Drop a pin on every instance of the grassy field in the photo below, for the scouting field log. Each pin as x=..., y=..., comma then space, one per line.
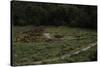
x=74, y=39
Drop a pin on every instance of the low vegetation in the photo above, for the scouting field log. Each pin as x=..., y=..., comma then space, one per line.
x=73, y=38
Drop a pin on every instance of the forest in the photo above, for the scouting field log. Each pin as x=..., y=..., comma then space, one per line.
x=46, y=14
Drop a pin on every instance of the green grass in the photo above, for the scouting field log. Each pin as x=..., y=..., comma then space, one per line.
x=27, y=53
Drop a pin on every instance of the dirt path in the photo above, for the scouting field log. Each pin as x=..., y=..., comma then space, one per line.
x=66, y=55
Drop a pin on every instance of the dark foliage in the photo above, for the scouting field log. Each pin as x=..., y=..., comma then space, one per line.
x=33, y=13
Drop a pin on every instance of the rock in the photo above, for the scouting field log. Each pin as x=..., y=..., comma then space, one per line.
x=58, y=36
x=47, y=35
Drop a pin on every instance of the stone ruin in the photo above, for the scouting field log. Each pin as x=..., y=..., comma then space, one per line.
x=37, y=34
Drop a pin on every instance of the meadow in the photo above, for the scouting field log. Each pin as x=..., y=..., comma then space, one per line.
x=26, y=53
